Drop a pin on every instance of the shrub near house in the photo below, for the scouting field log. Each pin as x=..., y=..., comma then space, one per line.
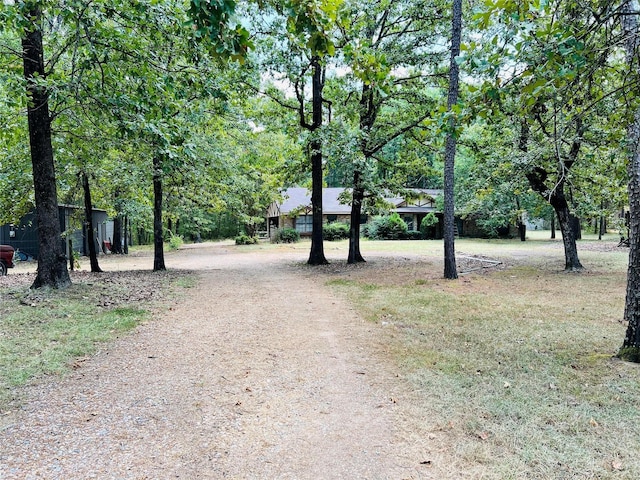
x=387, y=227
x=335, y=231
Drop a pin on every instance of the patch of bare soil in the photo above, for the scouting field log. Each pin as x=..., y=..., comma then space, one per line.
x=258, y=371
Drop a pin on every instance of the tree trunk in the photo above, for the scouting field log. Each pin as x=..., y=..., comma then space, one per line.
x=368, y=112
x=553, y=225
x=158, y=240
x=71, y=262
x=88, y=218
x=565, y=220
x=356, y=212
x=522, y=230
x=316, y=255
x=576, y=227
x=52, y=265
x=558, y=201
x=520, y=224
x=450, y=269
x=127, y=234
x=116, y=242
x=631, y=345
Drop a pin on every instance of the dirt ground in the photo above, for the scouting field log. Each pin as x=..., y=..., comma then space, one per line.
x=258, y=371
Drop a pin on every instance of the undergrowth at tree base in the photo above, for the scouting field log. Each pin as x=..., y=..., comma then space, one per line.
x=629, y=354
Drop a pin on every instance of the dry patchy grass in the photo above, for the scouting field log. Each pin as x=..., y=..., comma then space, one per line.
x=514, y=365
x=44, y=332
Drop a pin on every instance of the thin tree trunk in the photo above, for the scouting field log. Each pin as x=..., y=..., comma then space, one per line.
x=88, y=218
x=316, y=255
x=71, y=262
x=52, y=265
x=450, y=269
x=553, y=225
x=631, y=345
x=116, y=242
x=522, y=226
x=158, y=240
x=356, y=212
x=127, y=234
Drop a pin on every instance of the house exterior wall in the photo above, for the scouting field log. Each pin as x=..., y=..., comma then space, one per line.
x=297, y=202
x=23, y=236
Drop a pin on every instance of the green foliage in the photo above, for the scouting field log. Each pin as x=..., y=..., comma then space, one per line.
x=414, y=235
x=387, y=227
x=246, y=240
x=429, y=220
x=335, y=231
x=175, y=241
x=312, y=22
x=214, y=21
x=76, y=259
x=286, y=235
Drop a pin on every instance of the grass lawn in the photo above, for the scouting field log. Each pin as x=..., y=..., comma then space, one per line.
x=44, y=332
x=515, y=366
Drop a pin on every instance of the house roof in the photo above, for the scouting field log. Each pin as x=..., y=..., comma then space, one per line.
x=300, y=198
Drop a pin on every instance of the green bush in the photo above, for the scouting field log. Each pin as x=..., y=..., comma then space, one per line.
x=175, y=241
x=246, y=240
x=335, y=231
x=388, y=227
x=414, y=235
x=286, y=235
x=426, y=225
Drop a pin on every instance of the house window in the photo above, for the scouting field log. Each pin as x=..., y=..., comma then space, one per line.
x=332, y=218
x=408, y=219
x=364, y=219
x=304, y=223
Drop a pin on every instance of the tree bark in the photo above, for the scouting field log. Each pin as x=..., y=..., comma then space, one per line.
x=631, y=345
x=450, y=269
x=88, y=218
x=127, y=234
x=356, y=211
x=158, y=240
x=52, y=265
x=558, y=201
x=368, y=112
x=116, y=243
x=316, y=255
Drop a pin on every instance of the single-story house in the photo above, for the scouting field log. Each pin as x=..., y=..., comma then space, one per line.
x=23, y=236
x=294, y=211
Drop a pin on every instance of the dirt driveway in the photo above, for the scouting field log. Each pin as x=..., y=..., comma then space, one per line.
x=259, y=371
